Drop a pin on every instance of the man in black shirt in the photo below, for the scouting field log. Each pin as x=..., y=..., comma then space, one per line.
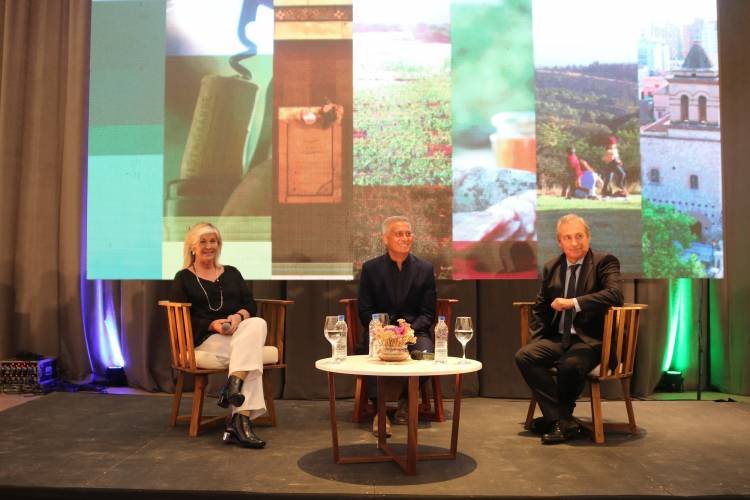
x=403, y=286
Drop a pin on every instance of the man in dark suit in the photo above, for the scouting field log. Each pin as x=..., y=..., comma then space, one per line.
x=566, y=329
x=403, y=286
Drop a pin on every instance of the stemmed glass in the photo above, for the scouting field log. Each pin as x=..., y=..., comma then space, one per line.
x=332, y=334
x=463, y=332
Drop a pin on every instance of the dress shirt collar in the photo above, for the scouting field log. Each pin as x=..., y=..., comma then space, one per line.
x=404, y=264
x=579, y=261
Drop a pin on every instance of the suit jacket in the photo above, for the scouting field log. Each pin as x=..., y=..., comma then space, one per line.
x=409, y=294
x=598, y=287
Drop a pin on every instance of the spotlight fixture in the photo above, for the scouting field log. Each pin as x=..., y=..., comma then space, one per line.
x=671, y=381
x=115, y=376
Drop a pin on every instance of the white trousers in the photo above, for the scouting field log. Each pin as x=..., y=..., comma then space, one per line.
x=242, y=351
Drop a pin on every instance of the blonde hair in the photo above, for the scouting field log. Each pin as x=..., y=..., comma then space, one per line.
x=193, y=237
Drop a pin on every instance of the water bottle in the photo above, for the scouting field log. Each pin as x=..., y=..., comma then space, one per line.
x=341, y=342
x=374, y=324
x=441, y=341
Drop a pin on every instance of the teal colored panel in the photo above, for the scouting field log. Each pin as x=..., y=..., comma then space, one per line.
x=127, y=62
x=124, y=229
x=126, y=140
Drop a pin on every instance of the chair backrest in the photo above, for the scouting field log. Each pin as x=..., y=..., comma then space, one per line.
x=180, y=334
x=443, y=307
x=619, y=341
x=524, y=310
x=274, y=312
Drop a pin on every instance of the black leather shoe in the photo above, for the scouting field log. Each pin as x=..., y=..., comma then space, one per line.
x=230, y=394
x=561, y=431
x=540, y=426
x=240, y=431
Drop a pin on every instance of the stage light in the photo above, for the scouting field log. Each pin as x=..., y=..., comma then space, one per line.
x=671, y=381
x=679, y=326
x=115, y=376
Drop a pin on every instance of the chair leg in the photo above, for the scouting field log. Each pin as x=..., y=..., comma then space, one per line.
x=629, y=405
x=196, y=415
x=437, y=396
x=268, y=396
x=596, y=412
x=360, y=400
x=425, y=407
x=530, y=413
x=177, y=398
x=432, y=410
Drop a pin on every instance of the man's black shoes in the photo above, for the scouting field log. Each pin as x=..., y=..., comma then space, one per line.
x=540, y=426
x=561, y=431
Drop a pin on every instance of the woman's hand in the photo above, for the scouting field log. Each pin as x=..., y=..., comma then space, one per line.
x=234, y=320
x=216, y=326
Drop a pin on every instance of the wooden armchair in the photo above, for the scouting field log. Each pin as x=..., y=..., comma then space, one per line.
x=183, y=361
x=362, y=407
x=619, y=341
x=524, y=310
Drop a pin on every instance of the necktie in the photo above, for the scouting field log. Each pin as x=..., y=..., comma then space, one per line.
x=570, y=292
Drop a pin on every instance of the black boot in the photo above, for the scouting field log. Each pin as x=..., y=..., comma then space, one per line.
x=240, y=431
x=230, y=393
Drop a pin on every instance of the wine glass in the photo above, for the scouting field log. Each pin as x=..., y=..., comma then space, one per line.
x=332, y=334
x=463, y=332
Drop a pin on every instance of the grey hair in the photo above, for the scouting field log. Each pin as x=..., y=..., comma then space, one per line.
x=573, y=218
x=392, y=220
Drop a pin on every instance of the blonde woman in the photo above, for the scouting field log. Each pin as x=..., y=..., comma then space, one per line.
x=225, y=330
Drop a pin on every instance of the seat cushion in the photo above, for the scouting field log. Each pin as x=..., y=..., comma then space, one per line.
x=208, y=360
x=594, y=373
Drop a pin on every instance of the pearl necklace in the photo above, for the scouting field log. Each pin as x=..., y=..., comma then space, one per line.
x=221, y=292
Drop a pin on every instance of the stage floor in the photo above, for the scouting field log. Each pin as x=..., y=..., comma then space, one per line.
x=64, y=445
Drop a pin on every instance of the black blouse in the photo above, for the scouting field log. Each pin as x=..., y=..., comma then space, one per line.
x=230, y=284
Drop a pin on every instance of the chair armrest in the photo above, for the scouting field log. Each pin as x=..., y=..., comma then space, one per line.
x=171, y=303
x=273, y=311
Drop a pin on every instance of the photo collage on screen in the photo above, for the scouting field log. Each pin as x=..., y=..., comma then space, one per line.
x=298, y=127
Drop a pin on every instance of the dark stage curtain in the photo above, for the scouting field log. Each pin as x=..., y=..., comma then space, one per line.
x=43, y=112
x=729, y=299
x=43, y=107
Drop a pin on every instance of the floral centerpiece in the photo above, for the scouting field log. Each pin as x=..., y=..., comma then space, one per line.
x=392, y=340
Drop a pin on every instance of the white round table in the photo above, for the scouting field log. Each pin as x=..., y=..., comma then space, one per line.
x=364, y=365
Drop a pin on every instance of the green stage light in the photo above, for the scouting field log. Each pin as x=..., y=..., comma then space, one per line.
x=679, y=326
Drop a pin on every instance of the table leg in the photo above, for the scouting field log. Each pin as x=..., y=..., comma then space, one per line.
x=411, y=439
x=456, y=415
x=382, y=416
x=332, y=409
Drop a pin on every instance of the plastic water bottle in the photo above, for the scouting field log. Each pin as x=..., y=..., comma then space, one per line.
x=374, y=324
x=341, y=342
x=441, y=341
